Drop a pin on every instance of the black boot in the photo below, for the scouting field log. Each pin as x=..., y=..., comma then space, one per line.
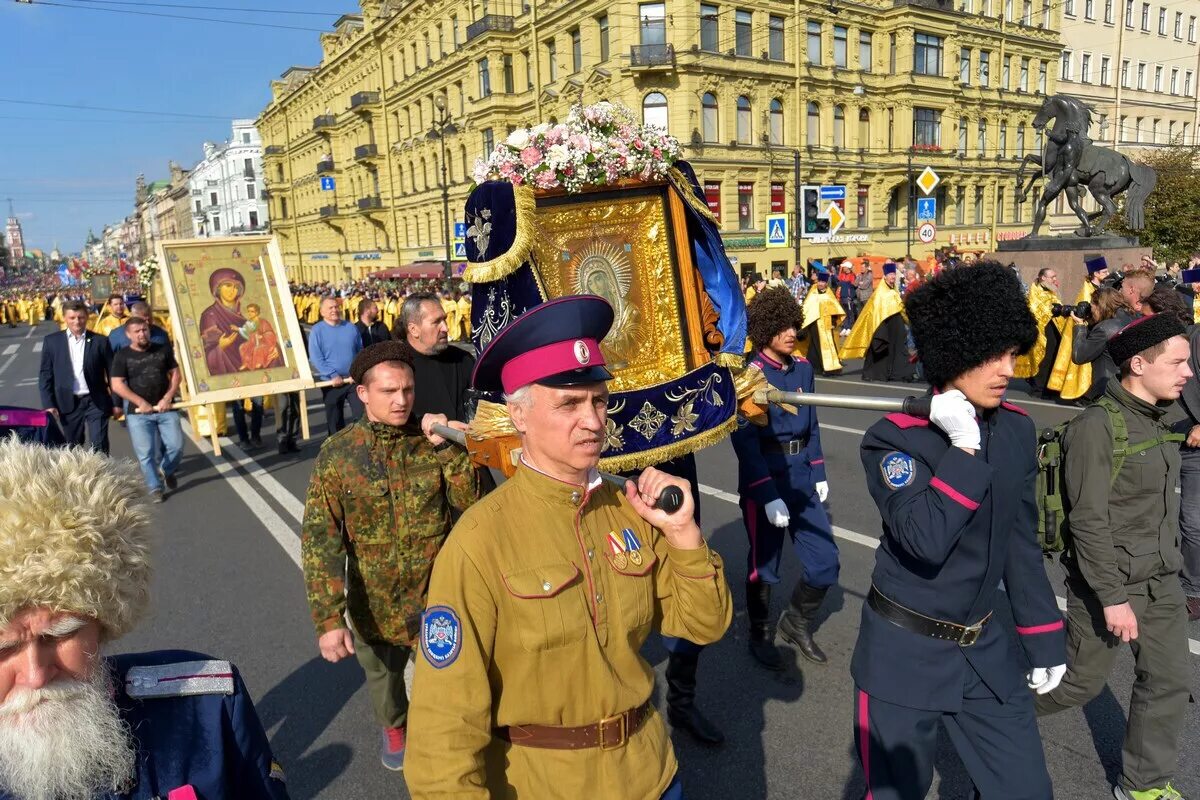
x=795, y=623
x=681, y=697
x=762, y=638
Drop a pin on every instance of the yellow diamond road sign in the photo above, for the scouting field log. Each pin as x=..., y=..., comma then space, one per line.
x=928, y=180
x=836, y=217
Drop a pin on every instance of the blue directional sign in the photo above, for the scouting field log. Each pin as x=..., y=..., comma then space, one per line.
x=777, y=230
x=460, y=249
x=926, y=208
x=833, y=192
x=327, y=184
x=460, y=230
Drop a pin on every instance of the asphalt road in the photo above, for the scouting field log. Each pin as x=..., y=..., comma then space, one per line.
x=228, y=583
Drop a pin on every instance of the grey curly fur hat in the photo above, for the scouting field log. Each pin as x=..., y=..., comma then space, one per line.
x=965, y=316
x=75, y=535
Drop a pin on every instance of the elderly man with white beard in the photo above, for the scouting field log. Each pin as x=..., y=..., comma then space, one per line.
x=75, y=542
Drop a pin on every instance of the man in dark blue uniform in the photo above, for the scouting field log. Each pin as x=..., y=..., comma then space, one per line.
x=956, y=493
x=74, y=574
x=781, y=480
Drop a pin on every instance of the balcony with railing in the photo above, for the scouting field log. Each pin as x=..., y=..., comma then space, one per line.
x=366, y=152
x=491, y=23
x=328, y=211
x=371, y=203
x=325, y=166
x=652, y=56
x=273, y=150
x=364, y=101
x=324, y=121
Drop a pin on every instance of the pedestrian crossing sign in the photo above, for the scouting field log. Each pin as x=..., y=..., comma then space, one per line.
x=777, y=230
x=460, y=248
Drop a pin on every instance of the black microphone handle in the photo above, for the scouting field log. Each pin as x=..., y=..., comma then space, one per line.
x=918, y=406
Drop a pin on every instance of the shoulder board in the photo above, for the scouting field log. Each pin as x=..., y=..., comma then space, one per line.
x=181, y=679
x=905, y=421
x=758, y=363
x=799, y=358
x=1014, y=408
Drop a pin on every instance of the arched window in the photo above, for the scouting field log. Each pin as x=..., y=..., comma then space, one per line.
x=1021, y=140
x=709, y=128
x=744, y=131
x=1002, y=144
x=982, y=143
x=776, y=122
x=839, y=126
x=654, y=111
x=864, y=128
x=813, y=133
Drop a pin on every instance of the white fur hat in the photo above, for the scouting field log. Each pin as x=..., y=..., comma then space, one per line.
x=74, y=535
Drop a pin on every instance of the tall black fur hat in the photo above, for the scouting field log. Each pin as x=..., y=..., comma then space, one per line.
x=965, y=316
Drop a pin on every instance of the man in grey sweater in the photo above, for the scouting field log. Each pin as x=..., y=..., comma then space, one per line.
x=1122, y=558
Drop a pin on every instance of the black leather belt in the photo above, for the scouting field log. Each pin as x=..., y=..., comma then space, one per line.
x=964, y=635
x=792, y=447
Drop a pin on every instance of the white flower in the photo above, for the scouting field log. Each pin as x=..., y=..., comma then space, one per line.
x=481, y=170
x=518, y=139
x=539, y=130
x=558, y=156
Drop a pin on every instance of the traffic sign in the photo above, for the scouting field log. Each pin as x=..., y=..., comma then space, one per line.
x=928, y=180
x=836, y=217
x=926, y=208
x=460, y=248
x=327, y=184
x=460, y=230
x=777, y=230
x=833, y=192
x=926, y=232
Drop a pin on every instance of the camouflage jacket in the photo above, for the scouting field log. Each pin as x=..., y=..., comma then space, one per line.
x=376, y=515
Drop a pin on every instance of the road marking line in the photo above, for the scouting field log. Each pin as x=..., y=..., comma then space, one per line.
x=11, y=349
x=31, y=330
x=37, y=347
x=280, y=531
x=873, y=543
x=918, y=389
x=8, y=363
x=266, y=480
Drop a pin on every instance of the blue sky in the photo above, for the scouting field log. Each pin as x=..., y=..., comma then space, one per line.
x=68, y=170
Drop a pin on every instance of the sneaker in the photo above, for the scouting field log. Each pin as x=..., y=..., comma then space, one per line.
x=256, y=442
x=171, y=481
x=391, y=750
x=1167, y=792
x=1193, y=608
x=156, y=496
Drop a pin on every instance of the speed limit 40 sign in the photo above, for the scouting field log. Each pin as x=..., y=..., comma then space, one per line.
x=926, y=232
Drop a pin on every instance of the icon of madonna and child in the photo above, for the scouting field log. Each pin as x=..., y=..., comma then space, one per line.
x=236, y=341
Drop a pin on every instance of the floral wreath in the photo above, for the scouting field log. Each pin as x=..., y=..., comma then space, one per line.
x=598, y=145
x=147, y=273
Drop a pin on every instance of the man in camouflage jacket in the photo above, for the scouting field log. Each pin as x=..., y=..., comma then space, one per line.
x=376, y=515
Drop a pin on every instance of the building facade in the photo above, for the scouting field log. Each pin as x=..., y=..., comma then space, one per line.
x=226, y=188
x=1136, y=65
x=861, y=96
x=14, y=240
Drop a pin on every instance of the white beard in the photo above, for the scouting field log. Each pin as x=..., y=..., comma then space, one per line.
x=65, y=741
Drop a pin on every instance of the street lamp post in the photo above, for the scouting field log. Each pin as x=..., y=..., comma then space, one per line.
x=441, y=128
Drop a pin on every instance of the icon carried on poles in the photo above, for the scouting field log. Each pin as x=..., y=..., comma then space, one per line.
x=928, y=180
x=926, y=208
x=777, y=230
x=327, y=184
x=926, y=232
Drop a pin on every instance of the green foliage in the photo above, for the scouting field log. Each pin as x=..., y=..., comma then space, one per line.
x=1172, y=224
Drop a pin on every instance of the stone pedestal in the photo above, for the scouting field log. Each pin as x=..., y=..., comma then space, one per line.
x=1065, y=254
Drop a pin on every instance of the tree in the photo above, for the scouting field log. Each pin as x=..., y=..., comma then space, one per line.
x=1172, y=223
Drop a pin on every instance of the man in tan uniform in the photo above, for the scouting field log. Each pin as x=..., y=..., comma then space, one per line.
x=530, y=684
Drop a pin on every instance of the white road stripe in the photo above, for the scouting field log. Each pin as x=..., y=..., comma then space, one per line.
x=11, y=349
x=8, y=363
x=919, y=389
x=30, y=332
x=37, y=347
x=283, y=535
x=266, y=480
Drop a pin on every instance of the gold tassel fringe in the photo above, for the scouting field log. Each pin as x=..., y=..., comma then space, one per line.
x=731, y=361
x=648, y=458
x=507, y=263
x=684, y=187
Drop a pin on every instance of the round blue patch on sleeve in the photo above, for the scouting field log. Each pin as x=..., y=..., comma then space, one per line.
x=441, y=636
x=898, y=470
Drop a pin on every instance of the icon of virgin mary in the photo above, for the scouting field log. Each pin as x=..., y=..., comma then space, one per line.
x=221, y=323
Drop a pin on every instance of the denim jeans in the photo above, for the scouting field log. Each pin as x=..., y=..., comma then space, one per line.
x=146, y=432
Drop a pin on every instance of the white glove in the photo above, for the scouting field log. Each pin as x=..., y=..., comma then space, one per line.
x=777, y=513
x=1043, y=680
x=953, y=413
x=822, y=490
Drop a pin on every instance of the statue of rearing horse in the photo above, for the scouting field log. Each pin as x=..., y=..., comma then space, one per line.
x=1071, y=163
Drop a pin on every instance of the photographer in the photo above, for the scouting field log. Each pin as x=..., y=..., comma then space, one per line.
x=1110, y=313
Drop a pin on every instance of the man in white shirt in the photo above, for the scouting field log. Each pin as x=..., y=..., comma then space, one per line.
x=74, y=379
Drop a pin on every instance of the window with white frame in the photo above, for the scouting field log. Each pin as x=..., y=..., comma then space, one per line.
x=1174, y=85
x=1178, y=24
x=840, y=37
x=864, y=51
x=1104, y=66
x=709, y=117
x=1162, y=21
x=654, y=111
x=964, y=66
x=1108, y=11
x=1069, y=8
x=1089, y=9
x=1065, y=74
x=1085, y=68
x=985, y=68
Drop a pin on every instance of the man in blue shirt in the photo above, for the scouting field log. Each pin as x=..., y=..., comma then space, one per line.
x=332, y=345
x=119, y=338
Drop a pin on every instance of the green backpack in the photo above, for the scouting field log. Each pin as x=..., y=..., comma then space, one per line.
x=1053, y=525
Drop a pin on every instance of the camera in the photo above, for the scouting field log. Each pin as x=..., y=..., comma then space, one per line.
x=1082, y=309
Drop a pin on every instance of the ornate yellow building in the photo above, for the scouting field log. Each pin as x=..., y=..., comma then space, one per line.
x=846, y=91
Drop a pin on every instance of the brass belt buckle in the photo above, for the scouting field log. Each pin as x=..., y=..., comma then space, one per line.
x=970, y=634
x=621, y=735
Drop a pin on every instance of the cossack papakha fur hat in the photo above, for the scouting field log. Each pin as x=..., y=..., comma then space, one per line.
x=965, y=316
x=75, y=535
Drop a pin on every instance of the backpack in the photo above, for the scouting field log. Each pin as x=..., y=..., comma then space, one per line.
x=1053, y=524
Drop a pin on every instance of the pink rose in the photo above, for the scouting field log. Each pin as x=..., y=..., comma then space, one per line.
x=531, y=157
x=545, y=179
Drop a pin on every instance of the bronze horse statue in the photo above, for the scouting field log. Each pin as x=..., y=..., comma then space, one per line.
x=1070, y=163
